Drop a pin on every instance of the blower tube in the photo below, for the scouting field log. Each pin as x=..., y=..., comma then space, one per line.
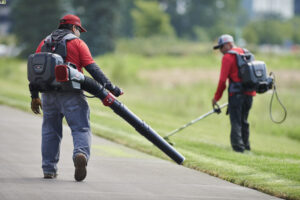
x=64, y=73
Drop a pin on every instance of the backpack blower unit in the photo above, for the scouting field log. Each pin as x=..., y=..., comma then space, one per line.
x=254, y=76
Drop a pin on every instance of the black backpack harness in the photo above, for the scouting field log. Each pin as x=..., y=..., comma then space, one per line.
x=254, y=77
x=58, y=46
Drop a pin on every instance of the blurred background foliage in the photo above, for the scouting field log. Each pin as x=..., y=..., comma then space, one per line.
x=33, y=20
x=149, y=20
x=99, y=18
x=110, y=20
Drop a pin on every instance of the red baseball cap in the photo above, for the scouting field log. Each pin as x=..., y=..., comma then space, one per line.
x=72, y=19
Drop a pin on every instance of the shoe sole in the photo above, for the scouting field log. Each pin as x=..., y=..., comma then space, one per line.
x=80, y=167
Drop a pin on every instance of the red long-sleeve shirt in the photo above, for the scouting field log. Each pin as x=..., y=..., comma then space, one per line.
x=229, y=70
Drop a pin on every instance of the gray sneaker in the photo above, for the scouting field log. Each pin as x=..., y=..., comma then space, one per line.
x=80, y=163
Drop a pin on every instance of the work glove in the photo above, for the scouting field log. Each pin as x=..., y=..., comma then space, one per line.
x=116, y=91
x=216, y=106
x=214, y=102
x=35, y=105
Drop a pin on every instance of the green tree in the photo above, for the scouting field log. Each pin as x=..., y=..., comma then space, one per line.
x=250, y=35
x=218, y=29
x=150, y=20
x=178, y=18
x=100, y=19
x=295, y=25
x=201, y=34
x=268, y=32
x=216, y=16
x=125, y=21
x=33, y=20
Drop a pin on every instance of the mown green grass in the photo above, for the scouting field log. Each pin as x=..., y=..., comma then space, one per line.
x=273, y=166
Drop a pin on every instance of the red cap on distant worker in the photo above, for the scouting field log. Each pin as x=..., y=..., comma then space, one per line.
x=72, y=19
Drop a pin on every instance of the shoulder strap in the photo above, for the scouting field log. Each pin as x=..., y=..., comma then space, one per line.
x=239, y=58
x=246, y=51
x=248, y=55
x=47, y=44
x=232, y=52
x=58, y=47
x=48, y=39
x=69, y=36
x=242, y=58
x=63, y=43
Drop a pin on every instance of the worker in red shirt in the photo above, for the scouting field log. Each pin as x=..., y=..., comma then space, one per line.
x=240, y=99
x=72, y=104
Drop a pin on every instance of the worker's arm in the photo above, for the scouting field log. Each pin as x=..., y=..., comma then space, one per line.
x=100, y=77
x=89, y=64
x=224, y=74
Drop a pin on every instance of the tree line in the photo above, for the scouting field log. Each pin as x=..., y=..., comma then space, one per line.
x=107, y=20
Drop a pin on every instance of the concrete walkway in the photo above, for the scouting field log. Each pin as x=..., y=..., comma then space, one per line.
x=114, y=171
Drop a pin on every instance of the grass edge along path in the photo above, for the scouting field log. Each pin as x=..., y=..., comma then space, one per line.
x=266, y=182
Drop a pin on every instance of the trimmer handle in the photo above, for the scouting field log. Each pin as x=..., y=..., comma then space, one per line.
x=217, y=108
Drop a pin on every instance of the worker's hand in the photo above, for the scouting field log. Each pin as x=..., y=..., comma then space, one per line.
x=116, y=91
x=216, y=106
x=35, y=105
x=214, y=102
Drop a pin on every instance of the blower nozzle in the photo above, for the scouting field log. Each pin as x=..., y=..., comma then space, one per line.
x=65, y=73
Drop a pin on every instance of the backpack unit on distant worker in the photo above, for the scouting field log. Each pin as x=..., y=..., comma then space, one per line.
x=40, y=66
x=252, y=73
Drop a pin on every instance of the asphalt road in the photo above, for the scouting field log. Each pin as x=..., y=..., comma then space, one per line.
x=114, y=171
